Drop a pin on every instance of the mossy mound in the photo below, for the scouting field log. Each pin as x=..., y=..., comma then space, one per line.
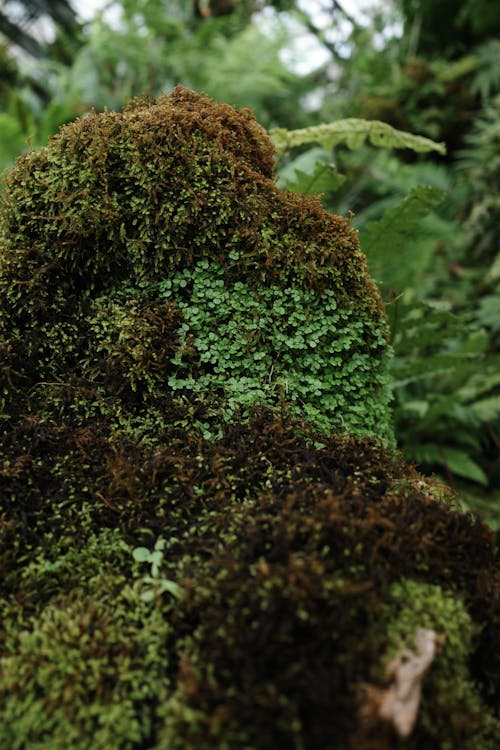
x=203, y=542
x=138, y=195
x=288, y=573
x=175, y=201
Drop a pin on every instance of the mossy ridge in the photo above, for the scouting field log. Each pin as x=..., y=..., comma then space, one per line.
x=268, y=534
x=311, y=583
x=61, y=479
x=195, y=334
x=119, y=204
x=153, y=189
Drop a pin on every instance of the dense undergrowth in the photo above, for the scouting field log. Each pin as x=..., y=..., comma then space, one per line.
x=427, y=222
x=196, y=553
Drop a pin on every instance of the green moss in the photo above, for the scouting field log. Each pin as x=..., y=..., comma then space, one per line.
x=193, y=363
x=86, y=672
x=146, y=192
x=176, y=199
x=452, y=704
x=288, y=548
x=132, y=344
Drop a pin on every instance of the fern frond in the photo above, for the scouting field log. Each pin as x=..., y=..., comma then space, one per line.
x=381, y=239
x=494, y=271
x=488, y=313
x=411, y=371
x=452, y=459
x=396, y=246
x=460, y=463
x=482, y=384
x=487, y=79
x=423, y=327
x=488, y=409
x=354, y=133
x=324, y=178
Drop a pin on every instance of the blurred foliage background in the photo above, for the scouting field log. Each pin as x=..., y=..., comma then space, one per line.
x=428, y=222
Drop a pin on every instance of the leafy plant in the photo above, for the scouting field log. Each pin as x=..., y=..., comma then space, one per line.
x=389, y=243
x=446, y=388
x=311, y=173
x=157, y=584
x=278, y=345
x=145, y=255
x=354, y=133
x=486, y=82
x=12, y=139
x=446, y=408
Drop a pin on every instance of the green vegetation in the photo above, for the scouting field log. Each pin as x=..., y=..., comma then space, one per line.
x=275, y=345
x=185, y=184
x=207, y=537
x=161, y=412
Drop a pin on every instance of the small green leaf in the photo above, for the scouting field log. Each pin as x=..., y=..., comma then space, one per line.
x=148, y=595
x=321, y=178
x=460, y=463
x=487, y=409
x=389, y=235
x=141, y=554
x=173, y=588
x=417, y=407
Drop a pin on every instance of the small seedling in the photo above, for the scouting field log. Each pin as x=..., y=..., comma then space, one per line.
x=155, y=559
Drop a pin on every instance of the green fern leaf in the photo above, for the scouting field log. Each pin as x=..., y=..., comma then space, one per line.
x=487, y=79
x=484, y=380
x=411, y=371
x=354, y=133
x=324, y=179
x=423, y=453
x=461, y=464
x=382, y=239
x=451, y=459
x=429, y=331
x=488, y=409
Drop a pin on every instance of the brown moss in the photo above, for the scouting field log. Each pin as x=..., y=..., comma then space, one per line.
x=138, y=194
x=286, y=552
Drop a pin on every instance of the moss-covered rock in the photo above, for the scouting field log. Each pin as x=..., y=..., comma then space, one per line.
x=204, y=542
x=125, y=216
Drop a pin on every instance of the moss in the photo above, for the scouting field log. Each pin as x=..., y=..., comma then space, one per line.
x=176, y=200
x=133, y=343
x=289, y=553
x=140, y=194
x=194, y=363
x=452, y=706
x=290, y=617
x=86, y=672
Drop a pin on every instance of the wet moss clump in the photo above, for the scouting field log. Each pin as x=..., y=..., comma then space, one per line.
x=206, y=541
x=129, y=221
